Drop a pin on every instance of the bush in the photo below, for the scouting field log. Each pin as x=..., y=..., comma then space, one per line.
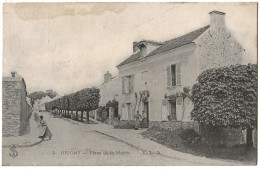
x=125, y=125
x=190, y=136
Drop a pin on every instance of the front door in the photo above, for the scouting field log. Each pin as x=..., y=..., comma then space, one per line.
x=173, y=110
x=129, y=110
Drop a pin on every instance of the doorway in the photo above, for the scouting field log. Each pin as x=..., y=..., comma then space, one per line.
x=129, y=110
x=173, y=116
x=146, y=111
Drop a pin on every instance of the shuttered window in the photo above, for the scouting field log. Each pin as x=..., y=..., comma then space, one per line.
x=173, y=75
x=169, y=78
x=123, y=85
x=128, y=84
x=178, y=74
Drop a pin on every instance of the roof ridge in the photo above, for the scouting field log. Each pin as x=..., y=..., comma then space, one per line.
x=188, y=33
x=169, y=44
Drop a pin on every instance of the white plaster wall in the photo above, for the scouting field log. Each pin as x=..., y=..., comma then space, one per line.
x=157, y=81
x=109, y=91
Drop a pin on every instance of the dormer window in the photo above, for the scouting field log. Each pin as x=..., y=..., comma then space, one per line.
x=143, y=50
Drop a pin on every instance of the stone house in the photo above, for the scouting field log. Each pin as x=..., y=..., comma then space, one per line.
x=161, y=68
x=16, y=111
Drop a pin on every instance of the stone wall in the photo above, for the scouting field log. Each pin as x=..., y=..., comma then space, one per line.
x=16, y=111
x=172, y=126
x=218, y=48
x=223, y=136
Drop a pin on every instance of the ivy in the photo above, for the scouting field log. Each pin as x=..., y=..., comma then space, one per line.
x=226, y=96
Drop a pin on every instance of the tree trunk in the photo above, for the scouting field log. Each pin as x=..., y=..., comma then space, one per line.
x=82, y=116
x=87, y=116
x=76, y=115
x=249, y=138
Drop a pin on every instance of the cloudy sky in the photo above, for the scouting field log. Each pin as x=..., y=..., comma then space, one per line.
x=69, y=46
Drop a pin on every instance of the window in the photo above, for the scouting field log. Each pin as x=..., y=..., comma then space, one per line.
x=127, y=84
x=173, y=75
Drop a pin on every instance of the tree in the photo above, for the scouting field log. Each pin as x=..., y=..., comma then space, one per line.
x=227, y=97
x=84, y=100
x=88, y=100
x=37, y=95
x=51, y=93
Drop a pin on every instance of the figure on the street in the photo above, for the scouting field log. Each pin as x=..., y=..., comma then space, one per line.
x=45, y=133
x=138, y=119
x=144, y=123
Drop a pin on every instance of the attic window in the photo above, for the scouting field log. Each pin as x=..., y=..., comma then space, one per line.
x=143, y=50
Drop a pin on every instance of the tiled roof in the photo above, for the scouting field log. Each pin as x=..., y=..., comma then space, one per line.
x=132, y=58
x=169, y=45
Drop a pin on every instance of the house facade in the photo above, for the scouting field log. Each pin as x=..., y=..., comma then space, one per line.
x=109, y=89
x=156, y=69
x=16, y=111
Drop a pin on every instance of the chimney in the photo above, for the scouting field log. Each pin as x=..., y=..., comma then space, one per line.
x=14, y=73
x=107, y=77
x=135, y=47
x=217, y=19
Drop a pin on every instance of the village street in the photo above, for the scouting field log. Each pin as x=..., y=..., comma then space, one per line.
x=76, y=143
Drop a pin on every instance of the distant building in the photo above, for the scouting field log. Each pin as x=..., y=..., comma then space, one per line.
x=109, y=89
x=16, y=111
x=43, y=101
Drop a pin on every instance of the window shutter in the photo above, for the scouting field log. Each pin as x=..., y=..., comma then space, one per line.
x=123, y=85
x=132, y=84
x=178, y=72
x=169, y=78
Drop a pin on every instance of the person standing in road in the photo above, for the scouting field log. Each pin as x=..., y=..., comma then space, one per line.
x=138, y=119
x=45, y=133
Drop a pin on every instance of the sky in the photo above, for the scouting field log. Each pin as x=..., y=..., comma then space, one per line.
x=69, y=46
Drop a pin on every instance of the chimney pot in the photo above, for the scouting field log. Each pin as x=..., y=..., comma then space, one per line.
x=135, y=47
x=13, y=73
x=217, y=18
x=107, y=77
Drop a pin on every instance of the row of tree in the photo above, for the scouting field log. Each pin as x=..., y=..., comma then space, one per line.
x=84, y=100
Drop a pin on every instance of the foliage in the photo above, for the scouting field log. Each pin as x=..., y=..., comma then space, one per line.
x=190, y=136
x=145, y=94
x=37, y=95
x=112, y=103
x=226, y=96
x=85, y=100
x=183, y=94
x=40, y=94
x=51, y=93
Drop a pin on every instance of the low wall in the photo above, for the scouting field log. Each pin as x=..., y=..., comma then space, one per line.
x=223, y=136
x=125, y=124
